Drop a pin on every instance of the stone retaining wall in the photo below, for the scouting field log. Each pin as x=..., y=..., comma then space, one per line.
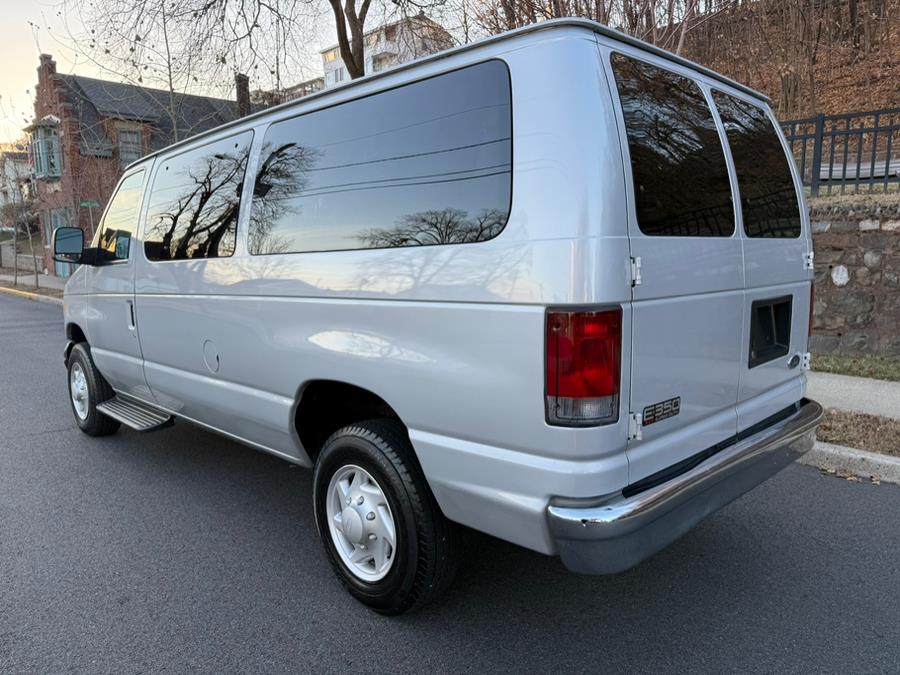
x=26, y=262
x=857, y=270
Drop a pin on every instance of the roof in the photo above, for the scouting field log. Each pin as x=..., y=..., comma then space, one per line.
x=532, y=28
x=94, y=100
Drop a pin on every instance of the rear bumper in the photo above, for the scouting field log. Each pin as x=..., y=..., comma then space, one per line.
x=619, y=532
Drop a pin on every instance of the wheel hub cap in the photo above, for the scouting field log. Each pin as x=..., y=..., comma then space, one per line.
x=79, y=391
x=352, y=525
x=361, y=523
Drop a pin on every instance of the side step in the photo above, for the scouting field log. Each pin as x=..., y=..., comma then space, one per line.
x=139, y=416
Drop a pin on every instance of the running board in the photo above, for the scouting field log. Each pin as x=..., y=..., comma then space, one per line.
x=139, y=416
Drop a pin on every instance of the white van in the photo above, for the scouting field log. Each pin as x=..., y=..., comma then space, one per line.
x=554, y=286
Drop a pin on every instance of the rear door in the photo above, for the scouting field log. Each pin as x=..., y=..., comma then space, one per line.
x=776, y=246
x=688, y=306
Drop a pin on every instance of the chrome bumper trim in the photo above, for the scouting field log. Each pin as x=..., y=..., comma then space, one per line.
x=621, y=532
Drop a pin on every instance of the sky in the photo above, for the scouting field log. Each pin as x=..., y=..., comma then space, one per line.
x=32, y=27
x=21, y=46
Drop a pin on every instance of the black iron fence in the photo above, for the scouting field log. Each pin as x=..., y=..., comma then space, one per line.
x=847, y=153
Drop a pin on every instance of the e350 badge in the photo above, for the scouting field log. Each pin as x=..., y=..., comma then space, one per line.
x=663, y=410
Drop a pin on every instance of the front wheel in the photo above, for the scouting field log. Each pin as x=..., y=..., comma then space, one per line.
x=87, y=388
x=379, y=523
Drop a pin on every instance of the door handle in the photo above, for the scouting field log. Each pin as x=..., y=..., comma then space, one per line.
x=131, y=324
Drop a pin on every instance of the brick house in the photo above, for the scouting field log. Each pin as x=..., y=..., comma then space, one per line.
x=86, y=131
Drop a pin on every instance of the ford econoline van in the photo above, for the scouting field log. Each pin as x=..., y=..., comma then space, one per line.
x=554, y=286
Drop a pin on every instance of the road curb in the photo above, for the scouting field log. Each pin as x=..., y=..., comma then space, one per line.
x=32, y=296
x=857, y=462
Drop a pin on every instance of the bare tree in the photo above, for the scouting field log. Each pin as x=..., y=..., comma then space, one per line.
x=24, y=218
x=661, y=22
x=154, y=43
x=349, y=17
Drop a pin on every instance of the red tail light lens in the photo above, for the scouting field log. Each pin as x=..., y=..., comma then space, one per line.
x=584, y=355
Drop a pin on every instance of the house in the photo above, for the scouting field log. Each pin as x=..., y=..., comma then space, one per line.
x=86, y=131
x=385, y=46
x=14, y=172
x=389, y=45
x=267, y=98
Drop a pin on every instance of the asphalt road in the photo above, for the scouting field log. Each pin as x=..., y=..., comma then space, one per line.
x=180, y=551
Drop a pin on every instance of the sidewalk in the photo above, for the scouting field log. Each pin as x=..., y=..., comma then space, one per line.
x=855, y=394
x=27, y=279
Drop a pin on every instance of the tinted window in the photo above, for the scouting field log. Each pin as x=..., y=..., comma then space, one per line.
x=680, y=176
x=427, y=163
x=120, y=219
x=768, y=199
x=194, y=202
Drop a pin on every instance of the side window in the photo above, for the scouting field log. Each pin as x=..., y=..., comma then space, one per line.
x=423, y=164
x=194, y=202
x=121, y=218
x=768, y=198
x=681, y=186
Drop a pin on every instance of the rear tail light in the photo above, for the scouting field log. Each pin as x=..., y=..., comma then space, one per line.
x=584, y=355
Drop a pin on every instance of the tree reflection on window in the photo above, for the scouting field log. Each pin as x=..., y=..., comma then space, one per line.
x=768, y=198
x=430, y=228
x=681, y=185
x=282, y=175
x=422, y=164
x=195, y=200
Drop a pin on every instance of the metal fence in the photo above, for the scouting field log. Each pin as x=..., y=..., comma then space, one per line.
x=847, y=153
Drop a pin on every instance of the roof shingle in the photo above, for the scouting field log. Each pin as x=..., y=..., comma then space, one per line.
x=93, y=100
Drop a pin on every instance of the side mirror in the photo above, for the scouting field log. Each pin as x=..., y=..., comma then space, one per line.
x=68, y=244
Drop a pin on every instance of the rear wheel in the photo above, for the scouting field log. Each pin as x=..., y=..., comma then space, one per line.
x=382, y=530
x=87, y=388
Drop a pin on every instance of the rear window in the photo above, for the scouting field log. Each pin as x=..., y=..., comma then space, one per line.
x=681, y=186
x=423, y=164
x=768, y=198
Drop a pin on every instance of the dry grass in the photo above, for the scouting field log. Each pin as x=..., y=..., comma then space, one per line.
x=861, y=431
x=859, y=365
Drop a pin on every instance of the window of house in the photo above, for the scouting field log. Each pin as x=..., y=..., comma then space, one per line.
x=331, y=55
x=382, y=62
x=423, y=164
x=681, y=186
x=53, y=219
x=195, y=201
x=339, y=75
x=120, y=219
x=45, y=152
x=768, y=198
x=131, y=147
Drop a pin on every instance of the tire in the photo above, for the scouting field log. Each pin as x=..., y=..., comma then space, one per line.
x=89, y=419
x=425, y=554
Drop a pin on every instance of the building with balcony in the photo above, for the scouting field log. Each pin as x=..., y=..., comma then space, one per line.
x=389, y=45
